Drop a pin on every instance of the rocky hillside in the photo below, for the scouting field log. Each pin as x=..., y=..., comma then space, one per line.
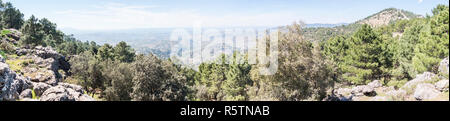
x=425, y=87
x=387, y=16
x=36, y=74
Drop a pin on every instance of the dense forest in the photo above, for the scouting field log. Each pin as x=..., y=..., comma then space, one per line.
x=307, y=69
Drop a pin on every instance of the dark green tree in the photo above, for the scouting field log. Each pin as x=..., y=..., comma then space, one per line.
x=11, y=17
x=32, y=33
x=433, y=46
x=156, y=80
x=124, y=52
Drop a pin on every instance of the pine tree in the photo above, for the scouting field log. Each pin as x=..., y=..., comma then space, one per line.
x=156, y=80
x=11, y=17
x=237, y=79
x=363, y=58
x=32, y=33
x=105, y=53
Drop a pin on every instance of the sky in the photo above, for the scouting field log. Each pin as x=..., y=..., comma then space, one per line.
x=133, y=14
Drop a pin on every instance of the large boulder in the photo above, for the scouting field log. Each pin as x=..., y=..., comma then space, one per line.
x=61, y=93
x=46, y=52
x=47, y=64
x=21, y=51
x=425, y=91
x=422, y=78
x=6, y=80
x=11, y=84
x=442, y=85
x=26, y=94
x=443, y=67
x=340, y=94
x=369, y=91
x=77, y=88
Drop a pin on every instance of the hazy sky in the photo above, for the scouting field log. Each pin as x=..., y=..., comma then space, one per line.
x=129, y=14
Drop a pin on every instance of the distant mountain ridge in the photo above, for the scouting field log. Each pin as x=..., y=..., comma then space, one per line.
x=388, y=16
x=316, y=25
x=382, y=18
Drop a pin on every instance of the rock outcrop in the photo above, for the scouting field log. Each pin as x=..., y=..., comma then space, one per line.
x=63, y=93
x=14, y=34
x=442, y=85
x=11, y=84
x=28, y=93
x=421, y=78
x=47, y=65
x=424, y=87
x=2, y=59
x=39, y=88
x=387, y=16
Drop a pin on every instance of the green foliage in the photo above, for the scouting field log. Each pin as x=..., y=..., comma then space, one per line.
x=89, y=70
x=5, y=32
x=397, y=84
x=352, y=53
x=396, y=52
x=10, y=17
x=118, y=81
x=3, y=54
x=362, y=57
x=124, y=52
x=53, y=37
x=7, y=47
x=237, y=79
x=121, y=52
x=404, y=47
x=33, y=95
x=335, y=48
x=302, y=72
x=156, y=80
x=32, y=33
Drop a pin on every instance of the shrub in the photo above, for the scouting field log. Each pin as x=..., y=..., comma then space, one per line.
x=6, y=47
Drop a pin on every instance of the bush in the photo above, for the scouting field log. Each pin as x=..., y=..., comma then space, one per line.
x=156, y=80
x=119, y=85
x=397, y=84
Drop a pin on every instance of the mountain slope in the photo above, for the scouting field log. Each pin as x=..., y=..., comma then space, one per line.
x=387, y=16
